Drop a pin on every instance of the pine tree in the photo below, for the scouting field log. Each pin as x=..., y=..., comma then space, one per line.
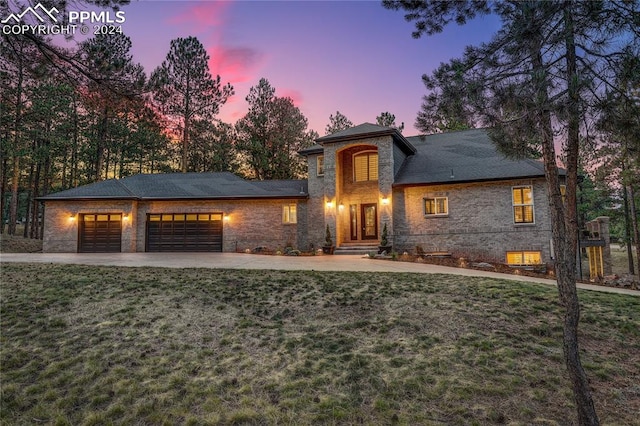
x=271, y=134
x=532, y=83
x=337, y=123
x=185, y=89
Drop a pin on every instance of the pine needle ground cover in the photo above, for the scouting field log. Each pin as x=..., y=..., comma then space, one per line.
x=88, y=345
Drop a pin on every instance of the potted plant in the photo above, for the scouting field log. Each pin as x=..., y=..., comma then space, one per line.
x=328, y=246
x=384, y=246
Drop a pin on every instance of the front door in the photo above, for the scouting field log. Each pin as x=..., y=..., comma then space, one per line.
x=369, y=221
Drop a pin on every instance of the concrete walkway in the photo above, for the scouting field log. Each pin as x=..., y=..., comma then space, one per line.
x=291, y=263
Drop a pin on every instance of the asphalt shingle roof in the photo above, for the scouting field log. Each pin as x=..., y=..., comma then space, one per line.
x=184, y=186
x=365, y=130
x=464, y=156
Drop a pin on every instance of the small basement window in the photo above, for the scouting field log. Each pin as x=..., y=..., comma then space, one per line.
x=524, y=258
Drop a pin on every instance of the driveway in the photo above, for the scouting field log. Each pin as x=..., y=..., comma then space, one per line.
x=255, y=261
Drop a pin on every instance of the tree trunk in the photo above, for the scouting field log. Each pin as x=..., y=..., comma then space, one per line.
x=566, y=279
x=101, y=143
x=185, y=144
x=13, y=203
x=634, y=222
x=564, y=220
x=29, y=188
x=627, y=230
x=17, y=128
x=3, y=191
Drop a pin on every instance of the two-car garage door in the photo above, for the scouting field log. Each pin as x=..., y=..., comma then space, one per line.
x=184, y=232
x=193, y=232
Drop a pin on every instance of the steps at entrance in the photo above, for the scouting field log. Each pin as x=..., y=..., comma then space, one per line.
x=356, y=249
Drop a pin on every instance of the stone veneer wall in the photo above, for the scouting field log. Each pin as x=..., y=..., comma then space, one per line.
x=61, y=233
x=251, y=223
x=315, y=204
x=339, y=187
x=479, y=224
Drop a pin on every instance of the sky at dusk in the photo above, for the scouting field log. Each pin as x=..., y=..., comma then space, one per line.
x=353, y=56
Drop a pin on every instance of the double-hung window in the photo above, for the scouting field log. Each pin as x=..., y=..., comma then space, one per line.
x=436, y=206
x=289, y=214
x=522, y=204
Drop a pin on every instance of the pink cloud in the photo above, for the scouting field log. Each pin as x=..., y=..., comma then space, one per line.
x=233, y=64
x=203, y=15
x=295, y=95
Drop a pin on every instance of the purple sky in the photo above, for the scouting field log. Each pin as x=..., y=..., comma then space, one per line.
x=351, y=56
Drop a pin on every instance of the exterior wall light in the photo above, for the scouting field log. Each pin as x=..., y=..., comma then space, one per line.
x=385, y=201
x=125, y=217
x=329, y=204
x=226, y=218
x=72, y=217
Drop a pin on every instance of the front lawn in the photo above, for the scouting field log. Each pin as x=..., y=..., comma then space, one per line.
x=100, y=345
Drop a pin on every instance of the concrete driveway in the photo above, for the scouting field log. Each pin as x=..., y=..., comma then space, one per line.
x=255, y=261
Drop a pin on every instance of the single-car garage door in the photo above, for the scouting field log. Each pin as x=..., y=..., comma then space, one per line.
x=100, y=233
x=184, y=232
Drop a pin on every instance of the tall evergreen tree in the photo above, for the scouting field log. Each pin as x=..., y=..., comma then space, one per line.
x=118, y=81
x=184, y=87
x=388, y=120
x=337, y=123
x=271, y=134
x=536, y=77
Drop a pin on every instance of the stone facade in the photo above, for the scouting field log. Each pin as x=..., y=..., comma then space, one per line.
x=479, y=223
x=248, y=223
x=341, y=191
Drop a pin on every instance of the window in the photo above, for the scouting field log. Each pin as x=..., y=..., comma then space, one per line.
x=365, y=166
x=289, y=214
x=436, y=206
x=320, y=165
x=524, y=258
x=563, y=192
x=522, y=204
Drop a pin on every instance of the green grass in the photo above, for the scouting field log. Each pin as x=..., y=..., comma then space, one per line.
x=87, y=345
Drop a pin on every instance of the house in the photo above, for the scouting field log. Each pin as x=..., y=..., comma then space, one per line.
x=451, y=192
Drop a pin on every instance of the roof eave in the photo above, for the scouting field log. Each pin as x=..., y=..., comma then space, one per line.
x=87, y=198
x=455, y=181
x=404, y=144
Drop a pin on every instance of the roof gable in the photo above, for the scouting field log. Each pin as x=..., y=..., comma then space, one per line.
x=368, y=130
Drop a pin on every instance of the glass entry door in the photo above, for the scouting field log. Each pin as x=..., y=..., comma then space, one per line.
x=369, y=221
